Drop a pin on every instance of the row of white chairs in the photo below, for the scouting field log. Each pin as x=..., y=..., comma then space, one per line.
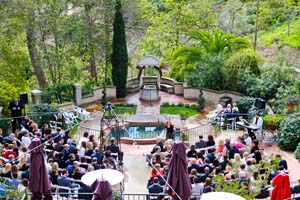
x=82, y=113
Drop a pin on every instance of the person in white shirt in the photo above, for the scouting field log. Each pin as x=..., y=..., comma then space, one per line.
x=26, y=140
x=258, y=123
x=197, y=188
x=85, y=138
x=247, y=139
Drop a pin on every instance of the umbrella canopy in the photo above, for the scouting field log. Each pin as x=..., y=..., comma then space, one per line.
x=178, y=177
x=112, y=176
x=102, y=190
x=221, y=195
x=39, y=183
x=281, y=187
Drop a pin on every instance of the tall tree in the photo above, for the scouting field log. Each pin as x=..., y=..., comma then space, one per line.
x=119, y=58
x=33, y=51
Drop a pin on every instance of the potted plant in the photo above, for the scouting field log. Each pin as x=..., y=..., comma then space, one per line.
x=272, y=122
x=291, y=101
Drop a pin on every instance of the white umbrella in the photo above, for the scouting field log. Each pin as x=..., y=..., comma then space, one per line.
x=221, y=195
x=112, y=176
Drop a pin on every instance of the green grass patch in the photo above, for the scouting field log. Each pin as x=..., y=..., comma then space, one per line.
x=124, y=109
x=178, y=110
x=280, y=34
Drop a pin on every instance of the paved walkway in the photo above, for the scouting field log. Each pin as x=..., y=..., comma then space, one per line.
x=136, y=170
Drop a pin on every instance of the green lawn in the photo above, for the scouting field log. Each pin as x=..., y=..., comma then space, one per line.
x=124, y=109
x=177, y=110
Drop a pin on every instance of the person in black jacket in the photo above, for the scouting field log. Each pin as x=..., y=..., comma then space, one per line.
x=115, y=150
x=16, y=107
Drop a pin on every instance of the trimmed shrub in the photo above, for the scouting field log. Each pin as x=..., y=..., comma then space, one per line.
x=201, y=103
x=272, y=120
x=297, y=152
x=245, y=104
x=165, y=104
x=42, y=113
x=180, y=104
x=289, y=132
x=187, y=105
x=194, y=106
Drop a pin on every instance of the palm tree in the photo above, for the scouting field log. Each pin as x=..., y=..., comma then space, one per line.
x=206, y=58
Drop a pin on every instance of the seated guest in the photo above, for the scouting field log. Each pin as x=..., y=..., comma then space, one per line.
x=108, y=160
x=281, y=162
x=205, y=174
x=228, y=109
x=197, y=189
x=192, y=152
x=99, y=155
x=155, y=188
x=193, y=165
x=194, y=174
x=65, y=181
x=208, y=186
x=115, y=150
x=14, y=181
x=296, y=189
x=157, y=171
x=211, y=141
x=201, y=143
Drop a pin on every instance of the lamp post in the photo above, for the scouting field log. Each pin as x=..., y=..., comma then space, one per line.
x=109, y=116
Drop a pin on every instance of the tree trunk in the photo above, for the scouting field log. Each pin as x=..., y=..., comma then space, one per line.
x=33, y=52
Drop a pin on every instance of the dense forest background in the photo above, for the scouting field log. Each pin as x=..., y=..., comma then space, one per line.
x=249, y=46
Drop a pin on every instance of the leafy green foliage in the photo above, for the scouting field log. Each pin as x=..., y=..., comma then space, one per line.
x=272, y=120
x=297, y=152
x=42, y=113
x=245, y=104
x=289, y=132
x=119, y=58
x=58, y=93
x=209, y=60
x=8, y=92
x=201, y=103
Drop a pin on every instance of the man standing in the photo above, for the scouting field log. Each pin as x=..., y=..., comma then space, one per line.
x=15, y=107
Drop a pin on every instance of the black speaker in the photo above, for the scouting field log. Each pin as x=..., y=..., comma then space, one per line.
x=23, y=98
x=260, y=103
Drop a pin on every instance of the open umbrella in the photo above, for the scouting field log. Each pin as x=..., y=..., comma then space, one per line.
x=221, y=195
x=102, y=190
x=281, y=189
x=178, y=178
x=39, y=183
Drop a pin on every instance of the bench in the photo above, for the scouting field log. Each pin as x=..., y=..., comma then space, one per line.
x=167, y=88
x=133, y=88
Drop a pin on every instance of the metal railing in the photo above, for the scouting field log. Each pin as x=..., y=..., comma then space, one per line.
x=191, y=136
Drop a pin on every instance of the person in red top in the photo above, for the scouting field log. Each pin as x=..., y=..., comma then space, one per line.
x=157, y=171
x=9, y=151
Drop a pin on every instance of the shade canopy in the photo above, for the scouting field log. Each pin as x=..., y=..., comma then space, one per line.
x=221, y=195
x=112, y=176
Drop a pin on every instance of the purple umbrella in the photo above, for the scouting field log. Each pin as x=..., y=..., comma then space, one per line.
x=178, y=177
x=39, y=183
x=102, y=190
